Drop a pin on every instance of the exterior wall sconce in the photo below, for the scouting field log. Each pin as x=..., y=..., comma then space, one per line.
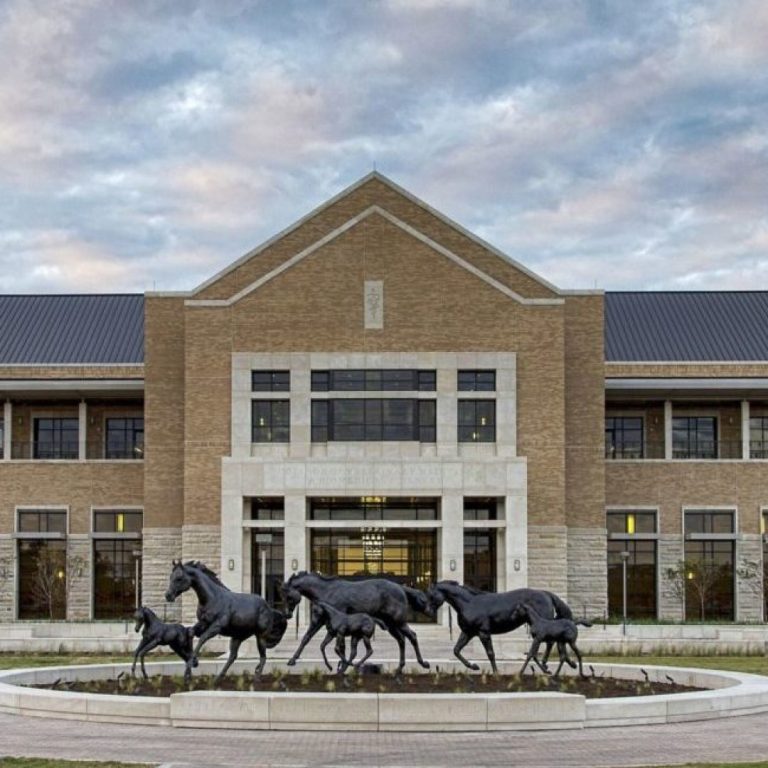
x=452, y=565
x=294, y=564
x=516, y=565
x=231, y=564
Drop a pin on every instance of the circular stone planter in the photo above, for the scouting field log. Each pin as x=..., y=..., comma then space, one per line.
x=729, y=694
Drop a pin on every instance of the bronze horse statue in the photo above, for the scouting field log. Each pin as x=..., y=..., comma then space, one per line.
x=381, y=599
x=220, y=611
x=482, y=614
x=155, y=632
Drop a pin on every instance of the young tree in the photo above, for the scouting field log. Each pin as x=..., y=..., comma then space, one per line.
x=695, y=579
x=49, y=586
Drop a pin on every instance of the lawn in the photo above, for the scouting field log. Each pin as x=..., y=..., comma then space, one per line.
x=41, y=762
x=756, y=665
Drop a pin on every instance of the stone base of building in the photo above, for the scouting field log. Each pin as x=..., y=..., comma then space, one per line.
x=548, y=558
x=587, y=571
x=160, y=547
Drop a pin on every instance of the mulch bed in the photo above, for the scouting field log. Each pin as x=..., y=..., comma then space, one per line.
x=321, y=682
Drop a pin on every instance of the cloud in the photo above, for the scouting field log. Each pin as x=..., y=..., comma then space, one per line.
x=151, y=143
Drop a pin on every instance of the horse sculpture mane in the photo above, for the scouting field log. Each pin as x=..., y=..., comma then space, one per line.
x=207, y=571
x=471, y=590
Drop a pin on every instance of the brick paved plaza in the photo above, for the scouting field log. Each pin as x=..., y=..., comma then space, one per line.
x=733, y=739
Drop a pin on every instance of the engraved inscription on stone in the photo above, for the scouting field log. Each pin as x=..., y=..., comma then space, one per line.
x=373, y=294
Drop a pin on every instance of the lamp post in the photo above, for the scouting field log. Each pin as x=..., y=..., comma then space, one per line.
x=624, y=555
x=137, y=577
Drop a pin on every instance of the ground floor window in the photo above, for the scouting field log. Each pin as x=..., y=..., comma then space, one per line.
x=116, y=563
x=267, y=563
x=405, y=556
x=42, y=579
x=480, y=558
x=641, y=579
x=709, y=585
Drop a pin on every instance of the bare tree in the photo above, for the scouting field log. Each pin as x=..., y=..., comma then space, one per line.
x=54, y=578
x=696, y=578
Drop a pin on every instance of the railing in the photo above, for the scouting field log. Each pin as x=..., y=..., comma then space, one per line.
x=97, y=450
x=634, y=451
x=702, y=451
x=44, y=451
x=758, y=449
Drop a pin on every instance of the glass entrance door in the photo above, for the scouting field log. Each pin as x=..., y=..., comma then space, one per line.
x=405, y=556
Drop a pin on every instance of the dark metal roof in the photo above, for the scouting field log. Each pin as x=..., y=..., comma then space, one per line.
x=686, y=326
x=96, y=329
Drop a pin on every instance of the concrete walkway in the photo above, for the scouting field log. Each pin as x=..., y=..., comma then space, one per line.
x=731, y=739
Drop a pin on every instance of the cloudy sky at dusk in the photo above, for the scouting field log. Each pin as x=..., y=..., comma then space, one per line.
x=615, y=145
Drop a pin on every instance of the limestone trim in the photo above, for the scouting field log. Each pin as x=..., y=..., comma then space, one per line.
x=344, y=193
x=373, y=209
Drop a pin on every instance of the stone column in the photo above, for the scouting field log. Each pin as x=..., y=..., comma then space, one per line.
x=7, y=429
x=80, y=575
x=159, y=547
x=516, y=541
x=745, y=447
x=198, y=542
x=670, y=554
x=749, y=578
x=296, y=542
x=548, y=558
x=588, y=571
x=7, y=578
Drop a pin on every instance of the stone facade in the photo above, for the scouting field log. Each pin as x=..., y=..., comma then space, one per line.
x=749, y=578
x=587, y=571
x=198, y=542
x=160, y=546
x=548, y=558
x=80, y=581
x=7, y=578
x=670, y=554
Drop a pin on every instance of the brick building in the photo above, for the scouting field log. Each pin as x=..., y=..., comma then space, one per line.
x=377, y=391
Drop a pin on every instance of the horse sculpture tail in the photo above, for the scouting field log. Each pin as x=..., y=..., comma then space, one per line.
x=417, y=600
x=562, y=611
x=381, y=624
x=277, y=630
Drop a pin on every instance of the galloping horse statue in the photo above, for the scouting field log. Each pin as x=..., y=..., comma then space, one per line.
x=220, y=611
x=156, y=632
x=482, y=614
x=379, y=598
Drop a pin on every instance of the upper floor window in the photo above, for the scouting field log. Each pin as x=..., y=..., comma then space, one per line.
x=476, y=381
x=268, y=508
x=56, y=438
x=270, y=381
x=631, y=523
x=758, y=437
x=374, y=380
x=624, y=437
x=42, y=521
x=125, y=438
x=373, y=419
x=707, y=522
x=477, y=421
x=270, y=421
x=694, y=437
x=481, y=509
x=117, y=521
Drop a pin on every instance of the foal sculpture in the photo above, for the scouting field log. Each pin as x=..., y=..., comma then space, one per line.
x=220, y=611
x=155, y=632
x=482, y=614
x=560, y=631
x=379, y=598
x=356, y=626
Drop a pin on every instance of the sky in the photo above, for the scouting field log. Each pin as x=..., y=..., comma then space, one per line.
x=145, y=145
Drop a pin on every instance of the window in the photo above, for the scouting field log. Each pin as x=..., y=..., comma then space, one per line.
x=476, y=381
x=374, y=508
x=632, y=533
x=374, y=380
x=268, y=552
x=116, y=563
x=758, y=437
x=56, y=438
x=480, y=558
x=270, y=421
x=42, y=563
x=268, y=508
x=477, y=421
x=694, y=437
x=709, y=565
x=270, y=381
x=624, y=437
x=125, y=438
x=373, y=419
x=2, y=439
x=481, y=509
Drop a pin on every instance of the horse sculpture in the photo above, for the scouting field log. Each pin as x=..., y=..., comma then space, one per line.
x=155, y=633
x=357, y=626
x=379, y=598
x=561, y=631
x=482, y=614
x=222, y=612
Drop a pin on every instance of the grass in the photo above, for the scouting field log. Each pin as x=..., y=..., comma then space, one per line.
x=755, y=665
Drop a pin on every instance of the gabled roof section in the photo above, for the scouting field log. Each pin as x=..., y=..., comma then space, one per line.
x=102, y=329
x=688, y=326
x=347, y=208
